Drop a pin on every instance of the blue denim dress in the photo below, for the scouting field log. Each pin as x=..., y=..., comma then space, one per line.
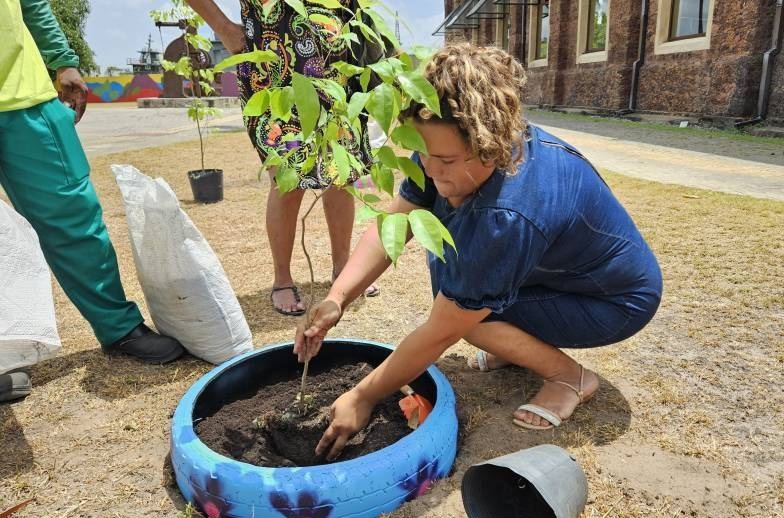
x=548, y=249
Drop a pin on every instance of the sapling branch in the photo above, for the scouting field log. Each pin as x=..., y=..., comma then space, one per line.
x=302, y=403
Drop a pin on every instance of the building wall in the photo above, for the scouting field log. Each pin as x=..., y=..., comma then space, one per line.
x=129, y=88
x=720, y=81
x=723, y=80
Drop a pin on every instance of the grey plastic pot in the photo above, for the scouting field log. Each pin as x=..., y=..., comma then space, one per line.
x=540, y=482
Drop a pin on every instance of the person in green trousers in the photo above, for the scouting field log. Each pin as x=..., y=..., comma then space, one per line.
x=44, y=172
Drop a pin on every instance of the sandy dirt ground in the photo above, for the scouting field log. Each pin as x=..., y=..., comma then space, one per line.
x=687, y=422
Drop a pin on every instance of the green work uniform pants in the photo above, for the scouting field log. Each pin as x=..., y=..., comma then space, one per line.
x=45, y=173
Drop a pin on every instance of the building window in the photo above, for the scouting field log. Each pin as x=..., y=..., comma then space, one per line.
x=542, y=39
x=597, y=25
x=593, y=29
x=688, y=19
x=683, y=25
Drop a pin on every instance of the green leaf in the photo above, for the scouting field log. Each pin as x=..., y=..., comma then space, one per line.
x=365, y=213
x=281, y=101
x=364, y=79
x=321, y=19
x=382, y=105
x=257, y=104
x=366, y=4
x=357, y=104
x=384, y=69
x=406, y=60
x=287, y=179
x=411, y=170
x=332, y=88
x=384, y=178
x=370, y=198
x=307, y=101
x=298, y=6
x=273, y=158
x=394, y=231
x=407, y=136
x=387, y=156
x=429, y=231
x=268, y=6
x=368, y=32
x=420, y=89
x=382, y=27
x=347, y=69
x=329, y=4
x=256, y=56
x=340, y=156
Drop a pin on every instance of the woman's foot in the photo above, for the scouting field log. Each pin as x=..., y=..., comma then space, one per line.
x=484, y=362
x=286, y=301
x=557, y=399
x=371, y=291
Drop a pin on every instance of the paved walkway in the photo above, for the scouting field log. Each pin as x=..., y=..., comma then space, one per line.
x=108, y=129
x=679, y=166
x=756, y=168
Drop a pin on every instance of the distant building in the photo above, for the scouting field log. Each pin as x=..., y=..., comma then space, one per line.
x=149, y=60
x=697, y=57
x=218, y=52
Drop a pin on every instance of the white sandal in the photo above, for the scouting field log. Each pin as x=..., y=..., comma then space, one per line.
x=548, y=415
x=481, y=363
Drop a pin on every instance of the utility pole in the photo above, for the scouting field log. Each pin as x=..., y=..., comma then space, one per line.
x=397, y=29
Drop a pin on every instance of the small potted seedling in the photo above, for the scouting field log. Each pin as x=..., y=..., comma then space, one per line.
x=206, y=184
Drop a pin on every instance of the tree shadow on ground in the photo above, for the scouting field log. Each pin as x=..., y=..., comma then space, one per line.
x=17, y=454
x=486, y=401
x=112, y=377
x=262, y=317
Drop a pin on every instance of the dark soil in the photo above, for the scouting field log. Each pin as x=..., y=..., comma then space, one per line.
x=268, y=429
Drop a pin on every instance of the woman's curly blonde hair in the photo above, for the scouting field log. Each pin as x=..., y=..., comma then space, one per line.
x=479, y=90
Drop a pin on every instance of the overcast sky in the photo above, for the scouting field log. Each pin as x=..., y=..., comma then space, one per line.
x=116, y=30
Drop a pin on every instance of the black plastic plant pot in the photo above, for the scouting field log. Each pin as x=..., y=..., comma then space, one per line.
x=363, y=487
x=207, y=185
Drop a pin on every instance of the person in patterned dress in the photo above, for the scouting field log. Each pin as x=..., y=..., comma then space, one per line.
x=304, y=48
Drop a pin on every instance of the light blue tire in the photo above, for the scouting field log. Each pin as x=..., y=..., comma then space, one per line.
x=364, y=487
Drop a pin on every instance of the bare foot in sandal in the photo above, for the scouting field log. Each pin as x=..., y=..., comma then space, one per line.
x=484, y=361
x=371, y=291
x=557, y=400
x=286, y=301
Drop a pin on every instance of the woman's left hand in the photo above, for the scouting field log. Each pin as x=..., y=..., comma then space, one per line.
x=349, y=414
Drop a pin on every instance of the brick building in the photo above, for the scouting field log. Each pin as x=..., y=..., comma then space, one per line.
x=696, y=57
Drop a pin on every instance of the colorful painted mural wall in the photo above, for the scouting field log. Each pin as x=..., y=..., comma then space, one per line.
x=129, y=88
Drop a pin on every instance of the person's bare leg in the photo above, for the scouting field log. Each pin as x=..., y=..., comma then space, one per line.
x=339, y=213
x=509, y=343
x=281, y=221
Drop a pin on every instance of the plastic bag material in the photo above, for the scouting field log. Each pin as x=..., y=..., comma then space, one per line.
x=28, y=328
x=187, y=291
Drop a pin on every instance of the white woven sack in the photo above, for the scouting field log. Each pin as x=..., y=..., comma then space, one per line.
x=188, y=293
x=28, y=329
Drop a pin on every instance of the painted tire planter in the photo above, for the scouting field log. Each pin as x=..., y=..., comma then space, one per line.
x=359, y=488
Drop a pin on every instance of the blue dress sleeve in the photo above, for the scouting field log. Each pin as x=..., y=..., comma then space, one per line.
x=410, y=191
x=497, y=249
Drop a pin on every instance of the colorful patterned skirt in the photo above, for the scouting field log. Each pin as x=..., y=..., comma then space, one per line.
x=302, y=50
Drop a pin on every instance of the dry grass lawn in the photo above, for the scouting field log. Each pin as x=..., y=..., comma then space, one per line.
x=689, y=419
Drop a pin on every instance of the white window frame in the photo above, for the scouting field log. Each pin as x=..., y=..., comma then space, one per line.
x=662, y=45
x=582, y=35
x=532, y=38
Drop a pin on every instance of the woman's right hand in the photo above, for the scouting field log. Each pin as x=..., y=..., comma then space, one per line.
x=313, y=328
x=233, y=37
